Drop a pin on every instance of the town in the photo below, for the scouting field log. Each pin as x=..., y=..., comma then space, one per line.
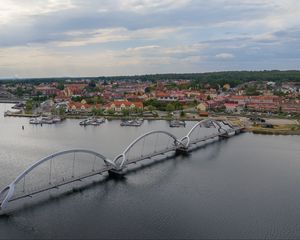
x=152, y=99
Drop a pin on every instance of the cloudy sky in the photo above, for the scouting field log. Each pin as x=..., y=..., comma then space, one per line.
x=41, y=38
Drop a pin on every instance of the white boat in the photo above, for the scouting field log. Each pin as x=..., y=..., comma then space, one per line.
x=83, y=123
x=97, y=121
x=177, y=123
x=92, y=121
x=56, y=119
x=132, y=123
x=35, y=121
x=47, y=120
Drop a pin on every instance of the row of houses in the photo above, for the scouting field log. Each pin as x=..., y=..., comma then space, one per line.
x=68, y=91
x=263, y=104
x=244, y=100
x=83, y=106
x=254, y=103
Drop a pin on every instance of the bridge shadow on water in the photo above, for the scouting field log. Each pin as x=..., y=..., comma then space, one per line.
x=107, y=181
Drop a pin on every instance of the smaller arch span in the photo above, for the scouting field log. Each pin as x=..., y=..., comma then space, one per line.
x=8, y=192
x=206, y=122
x=123, y=156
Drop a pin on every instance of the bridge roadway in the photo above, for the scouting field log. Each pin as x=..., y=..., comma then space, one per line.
x=56, y=186
x=114, y=169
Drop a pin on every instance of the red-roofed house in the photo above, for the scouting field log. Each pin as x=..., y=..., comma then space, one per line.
x=241, y=100
x=231, y=107
x=46, y=90
x=120, y=105
x=81, y=106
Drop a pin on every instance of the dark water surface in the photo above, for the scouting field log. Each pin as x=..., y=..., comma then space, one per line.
x=244, y=187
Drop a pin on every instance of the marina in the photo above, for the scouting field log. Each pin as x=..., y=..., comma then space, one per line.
x=177, y=123
x=45, y=120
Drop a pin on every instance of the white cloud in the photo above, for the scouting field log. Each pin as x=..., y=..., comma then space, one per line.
x=14, y=10
x=114, y=35
x=37, y=61
x=224, y=56
x=142, y=6
x=143, y=48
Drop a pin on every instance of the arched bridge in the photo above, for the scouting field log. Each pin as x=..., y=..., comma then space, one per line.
x=70, y=166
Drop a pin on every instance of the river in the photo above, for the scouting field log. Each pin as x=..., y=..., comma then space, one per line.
x=243, y=187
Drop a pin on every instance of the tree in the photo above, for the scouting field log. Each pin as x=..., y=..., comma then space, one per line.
x=147, y=90
x=94, y=111
x=252, y=91
x=111, y=111
x=151, y=108
x=61, y=111
x=29, y=106
x=92, y=84
x=280, y=93
x=155, y=103
x=19, y=92
x=170, y=107
x=182, y=114
x=60, y=86
x=105, y=83
x=125, y=112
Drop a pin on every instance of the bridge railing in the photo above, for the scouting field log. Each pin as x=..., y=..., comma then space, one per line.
x=148, y=144
x=54, y=169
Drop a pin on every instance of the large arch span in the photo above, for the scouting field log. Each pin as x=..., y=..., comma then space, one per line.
x=8, y=192
x=207, y=123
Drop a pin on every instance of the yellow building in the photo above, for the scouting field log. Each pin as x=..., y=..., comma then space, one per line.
x=226, y=86
x=202, y=107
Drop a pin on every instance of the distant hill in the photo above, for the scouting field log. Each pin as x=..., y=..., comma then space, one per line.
x=231, y=77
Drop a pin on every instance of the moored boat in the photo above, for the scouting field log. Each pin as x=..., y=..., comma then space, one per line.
x=177, y=123
x=45, y=120
x=132, y=123
x=56, y=119
x=92, y=121
x=35, y=120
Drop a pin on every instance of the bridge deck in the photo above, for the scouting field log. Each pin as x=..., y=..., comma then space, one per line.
x=151, y=155
x=203, y=139
x=57, y=185
x=108, y=167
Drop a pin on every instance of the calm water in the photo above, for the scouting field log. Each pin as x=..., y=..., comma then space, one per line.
x=244, y=187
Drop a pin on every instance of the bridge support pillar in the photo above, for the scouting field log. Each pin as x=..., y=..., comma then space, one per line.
x=116, y=173
x=224, y=136
x=182, y=150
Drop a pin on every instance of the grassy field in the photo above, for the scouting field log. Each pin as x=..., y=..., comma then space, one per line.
x=291, y=129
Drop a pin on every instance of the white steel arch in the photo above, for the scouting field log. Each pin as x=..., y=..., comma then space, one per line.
x=10, y=189
x=215, y=123
x=123, y=154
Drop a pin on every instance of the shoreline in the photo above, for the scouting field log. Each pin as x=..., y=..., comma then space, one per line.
x=280, y=129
